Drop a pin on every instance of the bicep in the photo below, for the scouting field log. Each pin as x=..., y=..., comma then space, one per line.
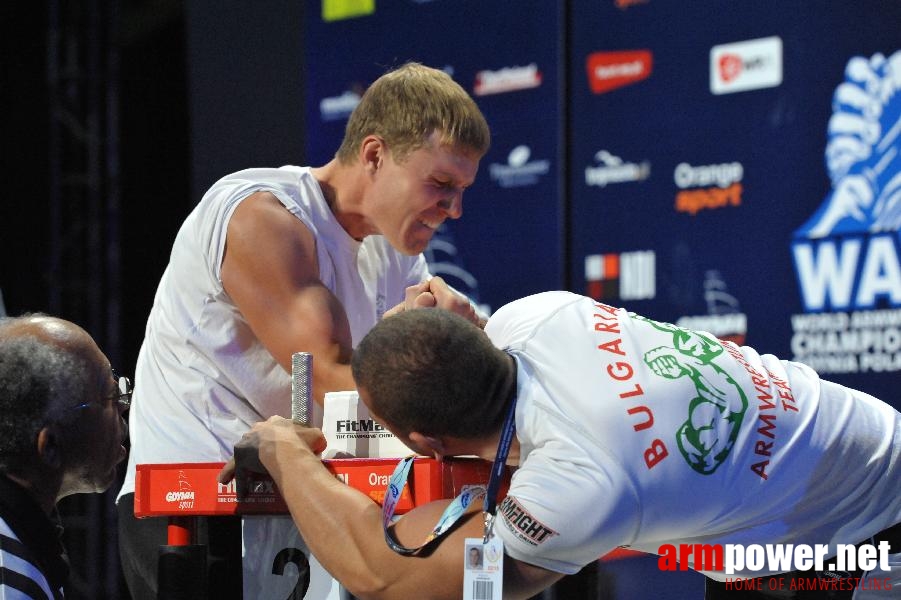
x=522, y=580
x=444, y=577
x=271, y=273
x=441, y=566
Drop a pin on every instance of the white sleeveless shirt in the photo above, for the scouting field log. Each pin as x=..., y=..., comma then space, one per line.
x=202, y=377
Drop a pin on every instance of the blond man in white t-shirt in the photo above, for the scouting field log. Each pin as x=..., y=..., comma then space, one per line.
x=277, y=261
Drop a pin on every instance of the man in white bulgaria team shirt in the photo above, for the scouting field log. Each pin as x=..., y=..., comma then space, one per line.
x=628, y=433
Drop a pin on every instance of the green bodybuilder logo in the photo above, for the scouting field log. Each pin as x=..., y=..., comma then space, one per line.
x=709, y=433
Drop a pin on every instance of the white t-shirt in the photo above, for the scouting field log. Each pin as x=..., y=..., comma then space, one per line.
x=637, y=433
x=203, y=378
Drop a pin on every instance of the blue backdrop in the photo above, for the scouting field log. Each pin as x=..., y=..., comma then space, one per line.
x=509, y=241
x=730, y=166
x=694, y=179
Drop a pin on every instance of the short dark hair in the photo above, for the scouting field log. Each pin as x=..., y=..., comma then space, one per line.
x=38, y=379
x=434, y=372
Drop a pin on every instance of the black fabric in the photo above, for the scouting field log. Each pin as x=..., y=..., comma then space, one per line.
x=717, y=590
x=40, y=535
x=892, y=535
x=139, y=551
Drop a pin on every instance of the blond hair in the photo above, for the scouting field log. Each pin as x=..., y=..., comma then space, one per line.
x=406, y=105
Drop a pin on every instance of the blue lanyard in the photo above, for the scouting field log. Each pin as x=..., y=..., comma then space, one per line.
x=450, y=515
x=458, y=506
x=489, y=506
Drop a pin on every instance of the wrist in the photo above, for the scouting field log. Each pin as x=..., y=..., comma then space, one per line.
x=272, y=456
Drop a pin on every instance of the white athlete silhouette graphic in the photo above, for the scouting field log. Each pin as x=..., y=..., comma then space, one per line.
x=862, y=154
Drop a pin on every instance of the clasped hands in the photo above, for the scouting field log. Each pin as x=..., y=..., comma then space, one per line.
x=258, y=448
x=435, y=293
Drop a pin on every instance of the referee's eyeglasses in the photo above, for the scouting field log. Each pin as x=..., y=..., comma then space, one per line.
x=122, y=396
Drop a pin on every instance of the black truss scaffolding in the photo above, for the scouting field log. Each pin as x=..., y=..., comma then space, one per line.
x=84, y=272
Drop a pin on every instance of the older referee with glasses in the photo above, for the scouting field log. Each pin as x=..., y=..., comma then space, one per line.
x=61, y=433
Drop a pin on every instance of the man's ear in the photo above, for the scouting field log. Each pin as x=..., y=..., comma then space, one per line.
x=49, y=448
x=372, y=152
x=426, y=441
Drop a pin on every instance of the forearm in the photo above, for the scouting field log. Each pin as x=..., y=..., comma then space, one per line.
x=330, y=376
x=325, y=511
x=343, y=527
x=312, y=327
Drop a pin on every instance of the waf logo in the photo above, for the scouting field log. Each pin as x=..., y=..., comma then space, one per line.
x=846, y=255
x=611, y=70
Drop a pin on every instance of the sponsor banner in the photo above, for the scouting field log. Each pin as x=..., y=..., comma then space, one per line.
x=192, y=488
x=443, y=258
x=790, y=191
x=613, y=169
x=748, y=65
x=623, y=276
x=520, y=170
x=350, y=431
x=608, y=71
x=507, y=79
x=338, y=108
x=724, y=318
x=626, y=4
x=708, y=187
x=336, y=10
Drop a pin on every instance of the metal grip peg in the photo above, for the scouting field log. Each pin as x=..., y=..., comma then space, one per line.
x=301, y=387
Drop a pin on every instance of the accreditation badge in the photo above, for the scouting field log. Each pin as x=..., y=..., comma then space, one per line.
x=483, y=568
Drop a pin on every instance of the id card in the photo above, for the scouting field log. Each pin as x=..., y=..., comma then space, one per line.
x=483, y=569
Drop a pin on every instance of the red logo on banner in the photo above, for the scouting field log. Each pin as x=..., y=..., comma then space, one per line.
x=730, y=67
x=610, y=70
x=624, y=4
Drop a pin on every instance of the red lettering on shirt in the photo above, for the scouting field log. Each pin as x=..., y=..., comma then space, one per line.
x=785, y=394
x=612, y=346
x=621, y=371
